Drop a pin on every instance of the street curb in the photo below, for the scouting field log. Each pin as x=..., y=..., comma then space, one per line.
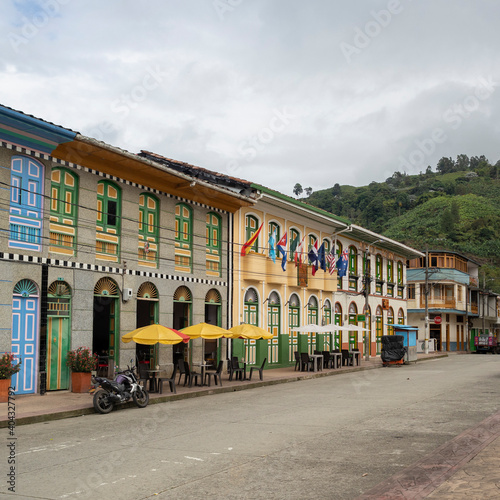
x=47, y=417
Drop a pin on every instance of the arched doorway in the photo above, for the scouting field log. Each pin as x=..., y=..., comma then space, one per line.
x=251, y=317
x=390, y=321
x=183, y=302
x=337, y=339
x=379, y=327
x=213, y=316
x=293, y=322
x=25, y=334
x=146, y=314
x=58, y=335
x=353, y=320
x=367, y=324
x=327, y=320
x=105, y=339
x=274, y=326
x=312, y=319
x=401, y=316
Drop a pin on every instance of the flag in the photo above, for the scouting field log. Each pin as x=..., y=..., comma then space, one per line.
x=248, y=245
x=331, y=260
x=272, y=246
x=299, y=251
x=293, y=247
x=282, y=251
x=313, y=257
x=321, y=257
x=342, y=264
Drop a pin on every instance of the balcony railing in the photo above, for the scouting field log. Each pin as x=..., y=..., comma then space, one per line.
x=447, y=302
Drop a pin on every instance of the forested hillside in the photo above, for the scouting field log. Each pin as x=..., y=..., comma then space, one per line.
x=456, y=207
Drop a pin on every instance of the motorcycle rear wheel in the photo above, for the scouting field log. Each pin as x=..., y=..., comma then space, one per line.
x=141, y=397
x=101, y=401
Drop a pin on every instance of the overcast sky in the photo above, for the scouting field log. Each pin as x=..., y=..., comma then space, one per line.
x=271, y=91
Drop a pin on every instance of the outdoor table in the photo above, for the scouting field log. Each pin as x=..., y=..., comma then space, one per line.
x=355, y=356
x=153, y=381
x=337, y=359
x=318, y=361
x=203, y=365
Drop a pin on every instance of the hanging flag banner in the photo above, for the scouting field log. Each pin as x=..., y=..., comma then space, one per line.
x=342, y=264
x=248, y=245
x=299, y=252
x=272, y=246
x=331, y=260
x=321, y=257
x=282, y=250
x=313, y=257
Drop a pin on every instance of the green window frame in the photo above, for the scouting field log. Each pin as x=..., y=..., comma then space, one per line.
x=183, y=238
x=390, y=271
x=294, y=234
x=353, y=260
x=149, y=213
x=274, y=226
x=213, y=244
x=251, y=226
x=108, y=224
x=63, y=211
x=378, y=267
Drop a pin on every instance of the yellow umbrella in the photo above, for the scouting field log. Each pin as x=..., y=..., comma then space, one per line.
x=206, y=331
x=246, y=331
x=153, y=334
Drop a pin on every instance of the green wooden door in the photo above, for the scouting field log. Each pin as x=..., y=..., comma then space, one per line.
x=58, y=344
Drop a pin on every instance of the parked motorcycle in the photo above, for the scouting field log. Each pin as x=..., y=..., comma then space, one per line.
x=108, y=393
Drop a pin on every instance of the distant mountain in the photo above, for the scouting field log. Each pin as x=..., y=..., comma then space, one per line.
x=455, y=208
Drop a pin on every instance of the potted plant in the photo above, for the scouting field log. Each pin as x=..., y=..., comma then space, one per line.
x=81, y=362
x=7, y=369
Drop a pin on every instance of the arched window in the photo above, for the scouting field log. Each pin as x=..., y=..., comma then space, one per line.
x=390, y=321
x=274, y=227
x=379, y=328
x=213, y=237
x=401, y=317
x=108, y=221
x=390, y=278
x=400, y=280
x=338, y=321
x=251, y=227
x=327, y=320
x=353, y=268
x=251, y=307
x=338, y=251
x=26, y=205
x=183, y=238
x=63, y=211
x=149, y=213
x=378, y=275
x=293, y=242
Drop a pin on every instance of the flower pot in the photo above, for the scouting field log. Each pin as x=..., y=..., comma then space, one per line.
x=4, y=390
x=80, y=382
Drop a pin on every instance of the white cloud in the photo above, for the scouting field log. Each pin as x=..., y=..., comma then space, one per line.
x=172, y=77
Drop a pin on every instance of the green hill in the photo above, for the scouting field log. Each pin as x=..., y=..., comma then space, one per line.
x=455, y=208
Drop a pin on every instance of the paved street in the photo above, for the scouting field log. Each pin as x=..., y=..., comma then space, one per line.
x=332, y=437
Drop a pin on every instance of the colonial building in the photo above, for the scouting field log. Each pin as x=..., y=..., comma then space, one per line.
x=97, y=242
x=372, y=294
x=458, y=307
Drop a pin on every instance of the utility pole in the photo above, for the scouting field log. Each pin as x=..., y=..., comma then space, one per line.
x=483, y=292
x=426, y=293
x=367, y=294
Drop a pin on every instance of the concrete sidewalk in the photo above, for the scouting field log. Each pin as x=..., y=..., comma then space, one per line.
x=467, y=466
x=64, y=404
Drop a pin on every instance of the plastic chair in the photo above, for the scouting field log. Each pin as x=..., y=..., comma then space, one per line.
x=143, y=375
x=327, y=359
x=346, y=357
x=234, y=367
x=261, y=370
x=217, y=374
x=297, y=360
x=170, y=380
x=307, y=362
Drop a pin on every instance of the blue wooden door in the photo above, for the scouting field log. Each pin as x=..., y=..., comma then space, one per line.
x=25, y=335
x=25, y=218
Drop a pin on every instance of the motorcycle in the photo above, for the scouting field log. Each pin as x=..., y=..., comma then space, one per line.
x=108, y=393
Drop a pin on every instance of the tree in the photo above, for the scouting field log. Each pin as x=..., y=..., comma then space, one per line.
x=297, y=189
x=445, y=165
x=462, y=162
x=336, y=191
x=309, y=191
